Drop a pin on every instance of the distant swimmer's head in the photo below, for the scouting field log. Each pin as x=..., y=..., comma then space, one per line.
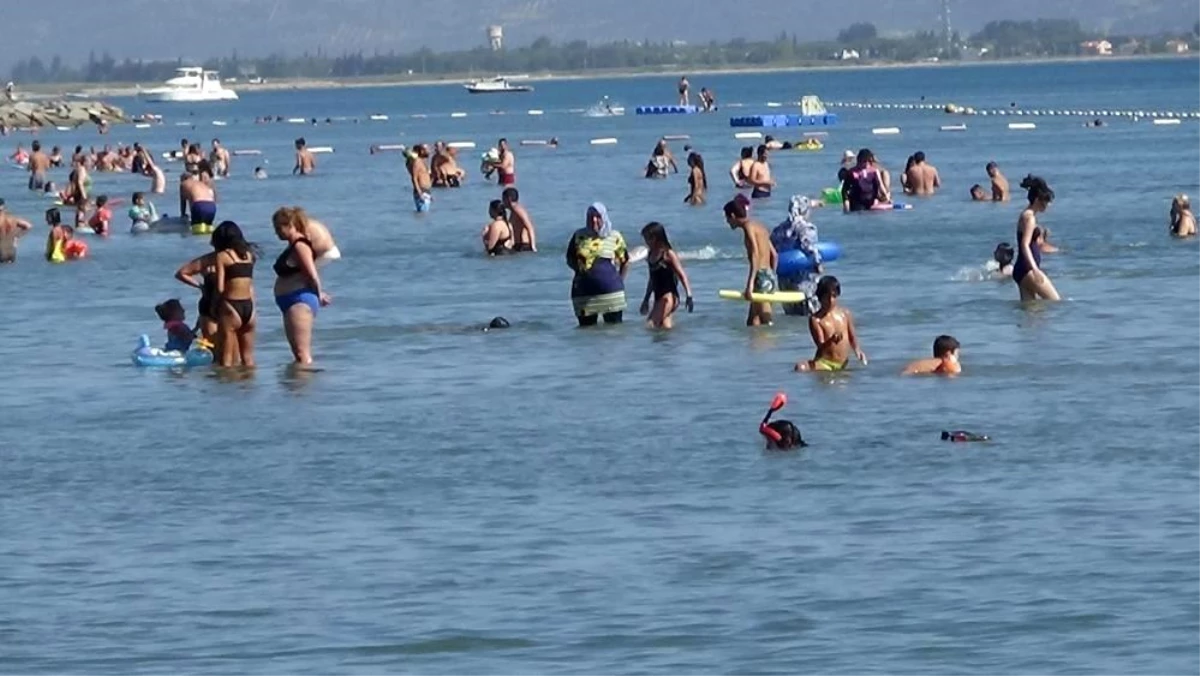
x=865, y=156
x=992, y=169
x=978, y=194
x=945, y=347
x=847, y=157
x=301, y=143
x=655, y=235
x=918, y=157
x=36, y=146
x=1038, y=192
x=510, y=196
x=695, y=160
x=1004, y=254
x=101, y=201
x=53, y=217
x=497, y=323
x=747, y=152
x=735, y=213
x=828, y=288
x=138, y=198
x=762, y=153
x=1181, y=202
x=170, y=310
x=259, y=172
x=496, y=210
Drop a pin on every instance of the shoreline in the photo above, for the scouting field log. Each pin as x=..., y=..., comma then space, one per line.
x=84, y=91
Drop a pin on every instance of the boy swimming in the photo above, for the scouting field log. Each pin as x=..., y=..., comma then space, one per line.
x=833, y=332
x=944, y=362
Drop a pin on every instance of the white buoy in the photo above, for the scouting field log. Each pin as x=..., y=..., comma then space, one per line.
x=748, y=134
x=953, y=127
x=219, y=123
x=142, y=125
x=419, y=116
x=774, y=104
x=64, y=128
x=297, y=120
x=535, y=142
x=379, y=118
x=885, y=131
x=536, y=112
x=1166, y=120
x=320, y=150
x=603, y=141
x=1022, y=125
x=461, y=144
x=676, y=137
x=458, y=114
x=388, y=146
x=241, y=153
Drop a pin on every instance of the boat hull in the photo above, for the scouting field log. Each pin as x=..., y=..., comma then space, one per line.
x=178, y=96
x=510, y=90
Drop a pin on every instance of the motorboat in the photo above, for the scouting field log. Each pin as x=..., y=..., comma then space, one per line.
x=497, y=85
x=604, y=108
x=191, y=85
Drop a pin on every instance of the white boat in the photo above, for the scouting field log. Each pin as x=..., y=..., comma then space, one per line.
x=497, y=85
x=191, y=85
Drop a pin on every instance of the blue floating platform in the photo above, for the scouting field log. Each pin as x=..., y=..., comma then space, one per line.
x=827, y=120
x=666, y=110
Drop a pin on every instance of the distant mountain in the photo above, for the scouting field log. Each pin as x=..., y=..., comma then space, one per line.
x=167, y=29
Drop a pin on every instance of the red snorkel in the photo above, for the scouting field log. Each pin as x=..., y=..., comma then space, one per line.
x=764, y=428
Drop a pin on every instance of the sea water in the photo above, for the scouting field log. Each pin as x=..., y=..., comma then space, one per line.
x=437, y=499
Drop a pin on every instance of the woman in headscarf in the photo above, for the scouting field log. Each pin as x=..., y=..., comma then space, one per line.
x=797, y=232
x=600, y=259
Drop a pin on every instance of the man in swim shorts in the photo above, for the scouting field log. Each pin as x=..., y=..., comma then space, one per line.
x=761, y=257
x=39, y=164
x=11, y=229
x=833, y=333
x=219, y=159
x=760, y=176
x=418, y=172
x=999, y=183
x=201, y=199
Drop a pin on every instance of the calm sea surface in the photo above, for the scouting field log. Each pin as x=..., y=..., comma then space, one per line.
x=546, y=499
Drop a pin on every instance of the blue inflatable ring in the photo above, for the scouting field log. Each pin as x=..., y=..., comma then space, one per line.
x=794, y=262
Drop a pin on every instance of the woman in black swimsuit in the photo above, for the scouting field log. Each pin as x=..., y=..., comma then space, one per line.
x=234, y=298
x=497, y=234
x=666, y=272
x=203, y=267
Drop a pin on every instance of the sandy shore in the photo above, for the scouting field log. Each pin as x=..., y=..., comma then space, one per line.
x=108, y=90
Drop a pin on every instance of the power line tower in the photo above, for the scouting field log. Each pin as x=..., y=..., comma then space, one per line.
x=947, y=29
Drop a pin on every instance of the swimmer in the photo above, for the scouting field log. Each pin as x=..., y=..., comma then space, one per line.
x=506, y=167
x=832, y=330
x=102, y=218
x=158, y=180
x=999, y=182
x=173, y=316
x=19, y=156
x=219, y=158
x=524, y=234
x=418, y=173
x=199, y=199
x=56, y=158
x=11, y=229
x=77, y=188
x=760, y=176
x=666, y=272
x=944, y=362
x=58, y=237
x=496, y=323
x=923, y=178
x=1183, y=222
x=306, y=162
x=781, y=435
x=497, y=235
x=1027, y=269
x=260, y=173
x=661, y=160
x=740, y=171
x=772, y=144
x=324, y=248
x=978, y=194
x=39, y=164
x=697, y=180
x=862, y=186
x=1004, y=255
x=142, y=213
x=1042, y=237
x=683, y=91
x=761, y=257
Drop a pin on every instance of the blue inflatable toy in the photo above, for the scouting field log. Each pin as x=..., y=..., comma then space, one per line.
x=154, y=357
x=794, y=262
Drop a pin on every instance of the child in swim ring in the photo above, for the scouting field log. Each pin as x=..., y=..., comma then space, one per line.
x=179, y=334
x=944, y=362
x=142, y=213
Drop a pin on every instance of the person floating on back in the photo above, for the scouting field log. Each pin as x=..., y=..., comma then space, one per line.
x=944, y=362
x=832, y=329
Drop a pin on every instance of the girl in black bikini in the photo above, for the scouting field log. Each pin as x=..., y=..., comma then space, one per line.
x=666, y=272
x=234, y=298
x=497, y=234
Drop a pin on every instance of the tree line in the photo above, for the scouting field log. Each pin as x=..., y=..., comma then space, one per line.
x=1002, y=39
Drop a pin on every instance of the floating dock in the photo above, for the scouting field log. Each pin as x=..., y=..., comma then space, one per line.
x=827, y=120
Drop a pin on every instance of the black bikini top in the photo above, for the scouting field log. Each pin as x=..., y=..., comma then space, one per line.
x=282, y=268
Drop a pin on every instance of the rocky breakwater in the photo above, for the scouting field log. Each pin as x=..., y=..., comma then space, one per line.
x=31, y=114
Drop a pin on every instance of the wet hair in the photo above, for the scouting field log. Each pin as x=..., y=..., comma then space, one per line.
x=78, y=149
x=36, y=145
x=101, y=200
x=918, y=157
x=990, y=166
x=977, y=189
x=656, y=233
x=300, y=142
x=228, y=235
x=497, y=323
x=1004, y=254
x=496, y=209
x=865, y=155
x=294, y=217
x=56, y=149
x=511, y=195
x=735, y=209
x=910, y=162
x=54, y=216
x=762, y=150
x=136, y=196
x=829, y=287
x=217, y=141
x=789, y=435
x=1037, y=189
x=944, y=345
x=170, y=309
x=747, y=152
x=696, y=160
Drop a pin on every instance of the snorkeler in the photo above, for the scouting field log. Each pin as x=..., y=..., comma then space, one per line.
x=781, y=435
